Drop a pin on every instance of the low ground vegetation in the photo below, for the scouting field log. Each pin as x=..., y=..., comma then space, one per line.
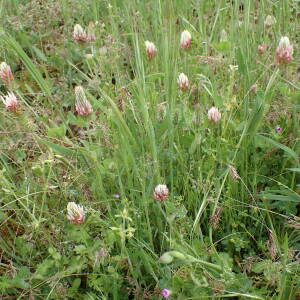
x=149, y=149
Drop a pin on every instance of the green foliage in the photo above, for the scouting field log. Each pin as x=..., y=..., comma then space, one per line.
x=220, y=234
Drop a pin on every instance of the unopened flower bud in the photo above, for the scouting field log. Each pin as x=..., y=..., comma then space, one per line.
x=270, y=21
x=10, y=101
x=79, y=34
x=166, y=258
x=6, y=73
x=82, y=105
x=223, y=36
x=284, y=52
x=261, y=49
x=150, y=49
x=214, y=115
x=177, y=254
x=183, y=82
x=76, y=213
x=185, y=40
x=161, y=192
x=253, y=88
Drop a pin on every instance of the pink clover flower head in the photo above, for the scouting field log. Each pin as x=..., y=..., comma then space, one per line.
x=6, y=73
x=183, y=82
x=76, y=213
x=284, y=52
x=214, y=115
x=161, y=192
x=79, y=34
x=185, y=40
x=10, y=101
x=82, y=105
x=166, y=293
x=151, y=50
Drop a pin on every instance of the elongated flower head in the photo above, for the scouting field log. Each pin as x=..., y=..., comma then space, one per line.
x=166, y=293
x=76, y=213
x=284, y=52
x=10, y=101
x=161, y=192
x=6, y=73
x=270, y=21
x=185, y=40
x=150, y=49
x=214, y=115
x=183, y=82
x=82, y=105
x=79, y=34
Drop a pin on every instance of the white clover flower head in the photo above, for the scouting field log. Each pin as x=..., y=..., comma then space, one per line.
x=5, y=73
x=10, y=101
x=185, y=40
x=183, y=82
x=79, y=34
x=75, y=213
x=151, y=49
x=284, y=52
x=161, y=192
x=214, y=115
x=270, y=21
x=82, y=105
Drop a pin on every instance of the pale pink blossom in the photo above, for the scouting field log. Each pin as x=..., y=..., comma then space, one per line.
x=76, y=213
x=214, y=115
x=10, y=101
x=185, y=40
x=6, y=73
x=79, y=34
x=166, y=293
x=161, y=192
x=183, y=82
x=82, y=105
x=150, y=49
x=284, y=52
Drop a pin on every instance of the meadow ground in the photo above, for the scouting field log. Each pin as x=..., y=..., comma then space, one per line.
x=149, y=149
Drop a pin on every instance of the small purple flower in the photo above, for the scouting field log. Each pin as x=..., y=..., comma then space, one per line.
x=117, y=196
x=166, y=293
x=278, y=129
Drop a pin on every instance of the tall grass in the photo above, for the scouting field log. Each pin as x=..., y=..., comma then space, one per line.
x=215, y=236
